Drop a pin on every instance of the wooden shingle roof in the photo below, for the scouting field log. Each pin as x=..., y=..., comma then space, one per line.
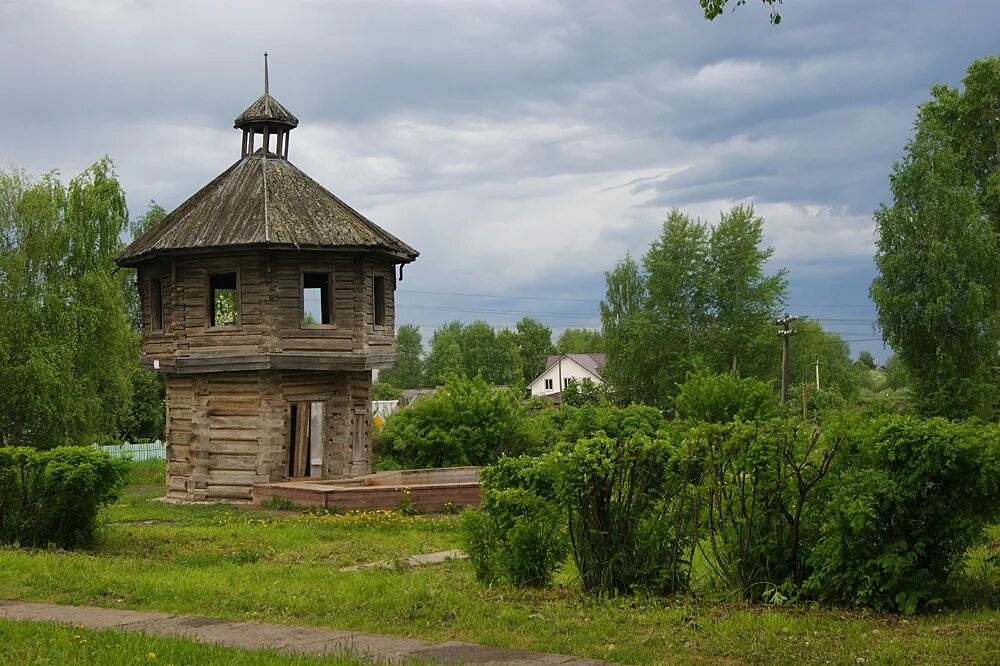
x=266, y=110
x=264, y=201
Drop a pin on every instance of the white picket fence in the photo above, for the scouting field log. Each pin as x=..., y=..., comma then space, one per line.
x=139, y=451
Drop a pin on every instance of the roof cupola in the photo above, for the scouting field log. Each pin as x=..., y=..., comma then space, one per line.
x=268, y=118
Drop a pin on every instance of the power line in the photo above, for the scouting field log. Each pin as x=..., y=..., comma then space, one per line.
x=486, y=311
x=522, y=298
x=597, y=300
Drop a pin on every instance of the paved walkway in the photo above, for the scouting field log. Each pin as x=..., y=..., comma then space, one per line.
x=303, y=640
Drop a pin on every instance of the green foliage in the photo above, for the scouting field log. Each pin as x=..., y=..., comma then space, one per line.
x=723, y=398
x=628, y=505
x=516, y=537
x=154, y=215
x=809, y=344
x=586, y=392
x=534, y=342
x=468, y=423
x=409, y=371
x=53, y=497
x=742, y=295
x=502, y=357
x=383, y=390
x=700, y=302
x=147, y=418
x=580, y=341
x=938, y=251
x=445, y=357
x=757, y=478
x=897, y=374
x=714, y=8
x=65, y=338
x=907, y=497
x=866, y=359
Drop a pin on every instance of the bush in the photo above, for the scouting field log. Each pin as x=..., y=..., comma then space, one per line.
x=53, y=497
x=758, y=487
x=467, y=423
x=723, y=398
x=627, y=504
x=516, y=537
x=906, y=500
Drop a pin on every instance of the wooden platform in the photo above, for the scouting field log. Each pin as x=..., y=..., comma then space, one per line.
x=429, y=490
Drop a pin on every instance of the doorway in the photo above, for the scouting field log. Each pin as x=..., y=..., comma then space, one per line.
x=305, y=446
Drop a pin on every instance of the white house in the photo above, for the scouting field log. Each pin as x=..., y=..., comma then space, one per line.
x=559, y=370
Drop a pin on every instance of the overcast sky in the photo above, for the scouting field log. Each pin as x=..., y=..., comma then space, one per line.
x=522, y=147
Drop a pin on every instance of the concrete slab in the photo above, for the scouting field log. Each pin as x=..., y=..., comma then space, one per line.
x=412, y=561
x=302, y=640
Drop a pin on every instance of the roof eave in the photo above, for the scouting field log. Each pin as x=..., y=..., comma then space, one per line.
x=125, y=260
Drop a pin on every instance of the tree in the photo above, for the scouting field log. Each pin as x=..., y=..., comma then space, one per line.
x=65, y=339
x=743, y=297
x=866, y=359
x=534, y=342
x=624, y=332
x=714, y=8
x=580, y=341
x=938, y=254
x=409, y=370
x=445, y=357
x=699, y=303
x=479, y=350
x=507, y=361
x=811, y=341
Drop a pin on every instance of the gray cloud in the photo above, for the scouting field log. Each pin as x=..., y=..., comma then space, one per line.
x=521, y=146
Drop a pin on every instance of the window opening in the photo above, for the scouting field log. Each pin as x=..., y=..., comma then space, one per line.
x=156, y=303
x=316, y=298
x=224, y=302
x=379, y=300
x=548, y=384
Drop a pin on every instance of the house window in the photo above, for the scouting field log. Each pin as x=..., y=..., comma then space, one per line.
x=548, y=384
x=156, y=304
x=566, y=381
x=316, y=298
x=224, y=302
x=378, y=299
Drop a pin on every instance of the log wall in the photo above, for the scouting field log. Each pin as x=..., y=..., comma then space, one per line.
x=227, y=431
x=270, y=307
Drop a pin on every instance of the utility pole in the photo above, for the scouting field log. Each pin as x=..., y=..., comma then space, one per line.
x=786, y=334
x=816, y=364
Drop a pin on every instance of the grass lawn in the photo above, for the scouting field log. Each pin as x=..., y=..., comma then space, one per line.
x=43, y=643
x=235, y=563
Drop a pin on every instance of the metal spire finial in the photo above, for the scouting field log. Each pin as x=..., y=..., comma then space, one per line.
x=265, y=73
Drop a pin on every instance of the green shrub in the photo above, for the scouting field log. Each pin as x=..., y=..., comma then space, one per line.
x=612, y=490
x=618, y=423
x=53, y=497
x=722, y=398
x=758, y=488
x=906, y=500
x=516, y=536
x=467, y=423
x=586, y=392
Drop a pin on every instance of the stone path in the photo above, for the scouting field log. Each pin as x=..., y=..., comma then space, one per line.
x=412, y=561
x=303, y=640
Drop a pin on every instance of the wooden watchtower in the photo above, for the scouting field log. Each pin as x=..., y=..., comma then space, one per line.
x=267, y=302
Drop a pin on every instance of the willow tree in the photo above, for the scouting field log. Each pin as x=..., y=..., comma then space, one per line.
x=67, y=351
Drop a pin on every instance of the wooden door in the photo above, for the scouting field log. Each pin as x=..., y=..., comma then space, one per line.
x=305, y=446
